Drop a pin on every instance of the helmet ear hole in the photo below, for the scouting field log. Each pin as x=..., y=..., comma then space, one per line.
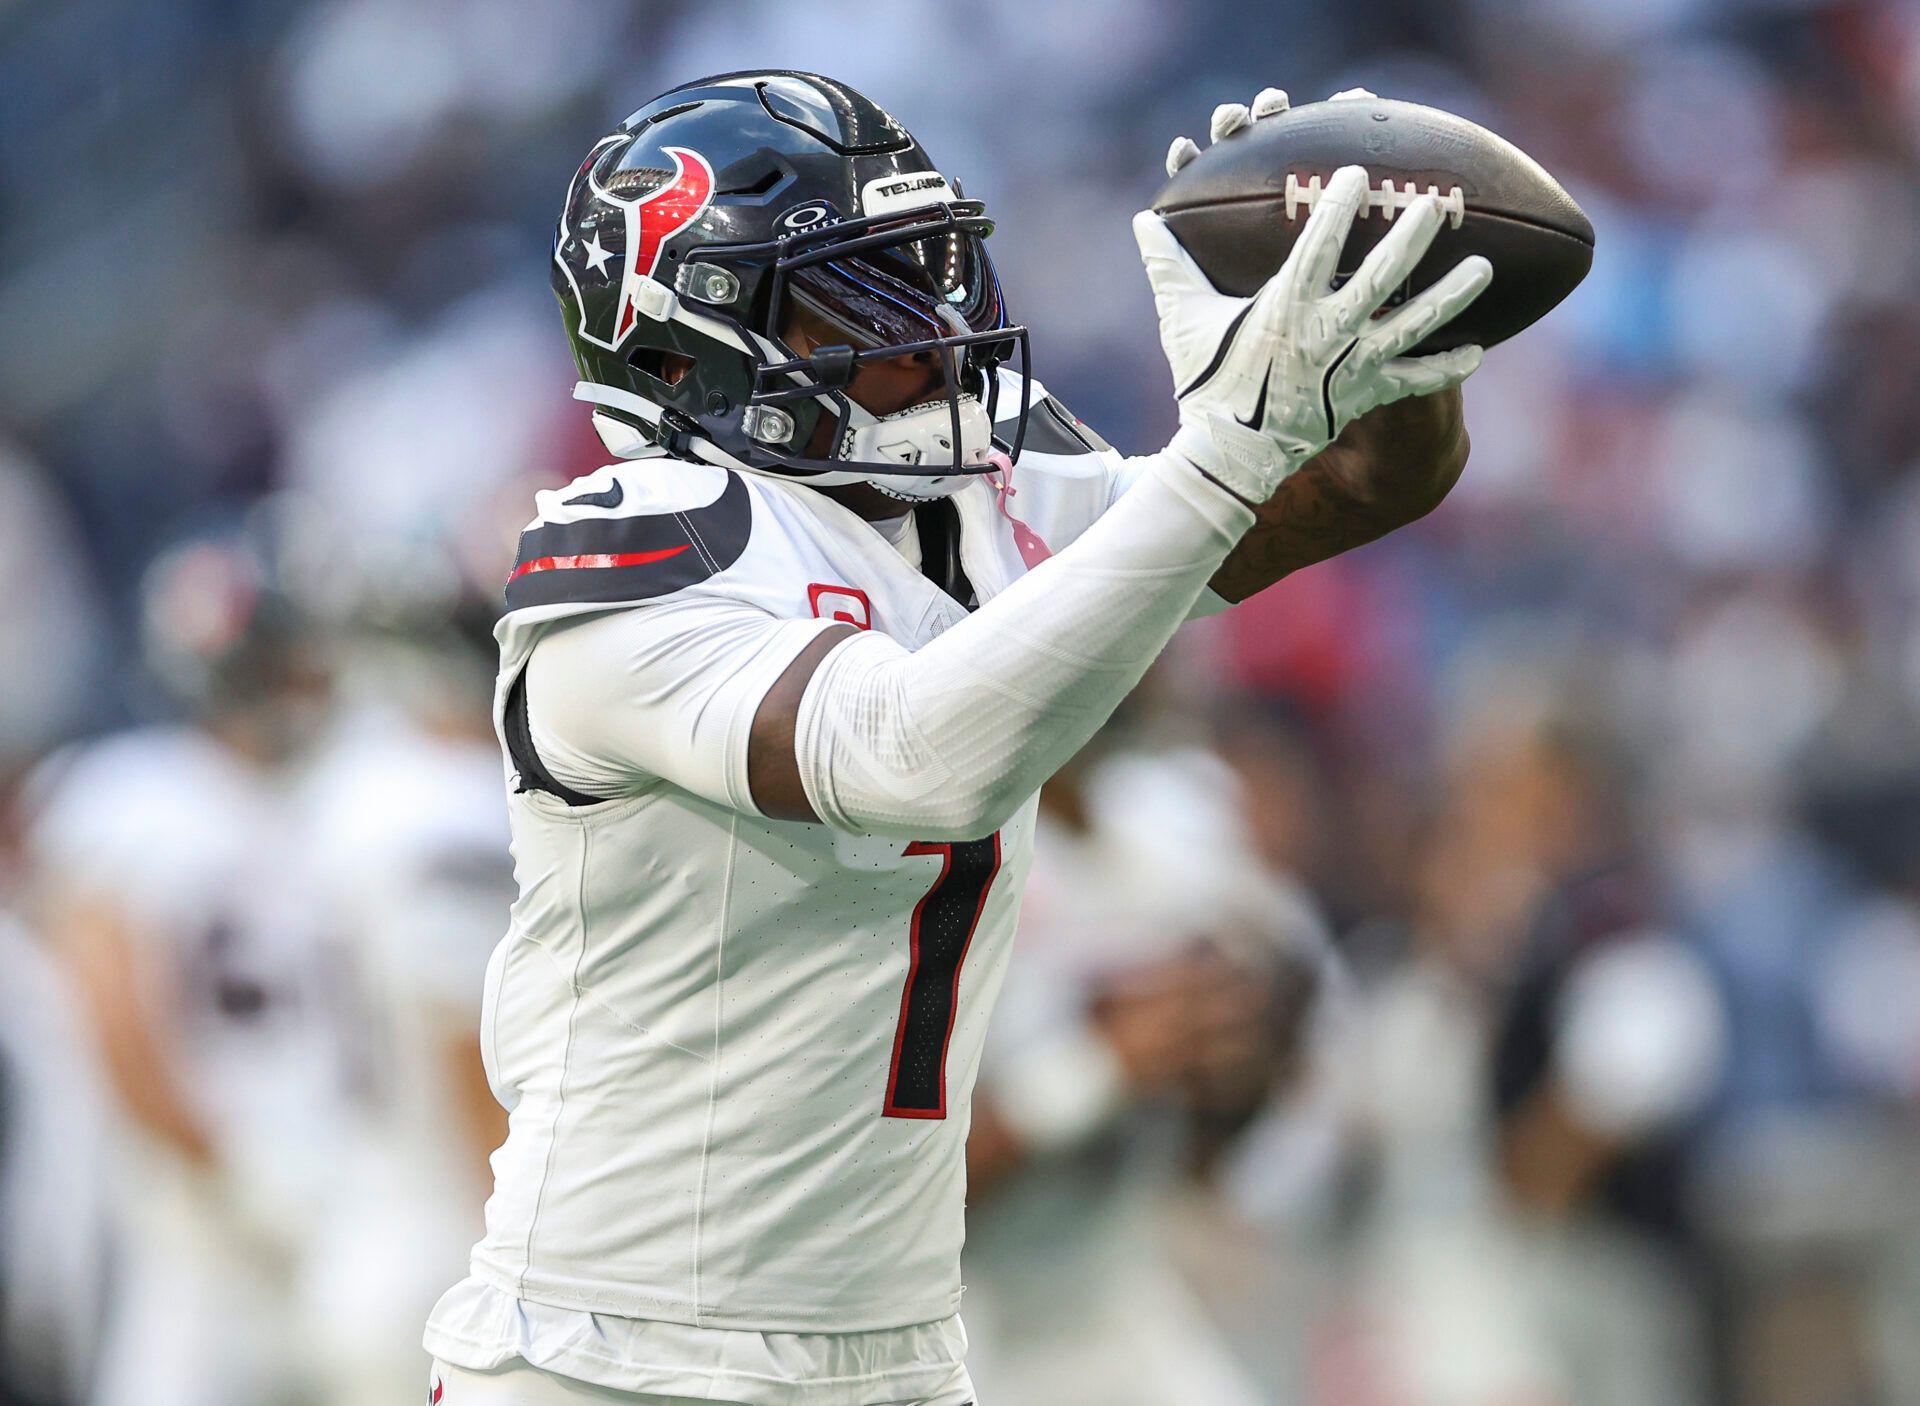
x=665, y=366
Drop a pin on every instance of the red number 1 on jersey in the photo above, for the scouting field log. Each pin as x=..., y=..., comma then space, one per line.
x=943, y=924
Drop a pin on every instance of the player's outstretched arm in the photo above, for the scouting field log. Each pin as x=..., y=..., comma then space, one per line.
x=947, y=741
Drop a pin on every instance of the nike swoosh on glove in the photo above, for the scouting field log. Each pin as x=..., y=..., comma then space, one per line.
x=1265, y=383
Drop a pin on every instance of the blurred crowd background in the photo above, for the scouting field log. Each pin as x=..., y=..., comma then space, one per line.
x=1482, y=971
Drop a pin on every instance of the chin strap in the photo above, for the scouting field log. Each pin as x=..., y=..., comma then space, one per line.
x=624, y=441
x=906, y=437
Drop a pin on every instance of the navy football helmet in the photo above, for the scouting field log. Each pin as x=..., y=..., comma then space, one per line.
x=694, y=232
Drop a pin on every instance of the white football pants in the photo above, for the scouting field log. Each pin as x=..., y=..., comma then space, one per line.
x=518, y=1384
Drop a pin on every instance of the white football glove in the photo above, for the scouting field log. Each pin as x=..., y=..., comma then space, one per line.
x=1265, y=383
x=1229, y=118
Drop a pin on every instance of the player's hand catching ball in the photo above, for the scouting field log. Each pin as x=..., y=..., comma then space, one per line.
x=1264, y=383
x=1229, y=118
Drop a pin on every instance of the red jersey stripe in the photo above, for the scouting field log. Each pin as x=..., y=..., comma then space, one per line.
x=596, y=559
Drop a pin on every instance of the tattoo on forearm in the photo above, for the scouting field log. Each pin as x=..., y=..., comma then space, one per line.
x=1306, y=522
x=1387, y=470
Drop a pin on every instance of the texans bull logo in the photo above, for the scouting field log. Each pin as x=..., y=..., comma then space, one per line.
x=648, y=223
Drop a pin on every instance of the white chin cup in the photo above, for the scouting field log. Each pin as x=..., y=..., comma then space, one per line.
x=920, y=434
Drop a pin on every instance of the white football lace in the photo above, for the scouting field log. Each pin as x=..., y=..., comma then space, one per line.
x=1389, y=199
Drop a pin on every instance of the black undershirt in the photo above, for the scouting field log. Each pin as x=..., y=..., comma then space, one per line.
x=939, y=526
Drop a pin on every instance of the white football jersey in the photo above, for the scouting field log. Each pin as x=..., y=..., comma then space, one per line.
x=738, y=1052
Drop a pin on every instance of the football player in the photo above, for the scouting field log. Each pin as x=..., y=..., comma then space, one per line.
x=175, y=873
x=1144, y=994
x=778, y=689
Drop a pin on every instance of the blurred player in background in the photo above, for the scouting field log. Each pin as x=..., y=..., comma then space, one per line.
x=410, y=837
x=1153, y=1005
x=56, y=1235
x=1550, y=1016
x=177, y=878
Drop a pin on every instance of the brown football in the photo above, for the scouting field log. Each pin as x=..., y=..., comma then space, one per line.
x=1239, y=205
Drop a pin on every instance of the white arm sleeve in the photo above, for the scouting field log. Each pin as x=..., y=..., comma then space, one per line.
x=619, y=701
x=1128, y=471
x=947, y=741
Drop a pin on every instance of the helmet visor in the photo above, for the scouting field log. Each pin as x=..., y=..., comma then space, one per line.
x=897, y=294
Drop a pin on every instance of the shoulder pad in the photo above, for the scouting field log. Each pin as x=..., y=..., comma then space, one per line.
x=623, y=534
x=1051, y=429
